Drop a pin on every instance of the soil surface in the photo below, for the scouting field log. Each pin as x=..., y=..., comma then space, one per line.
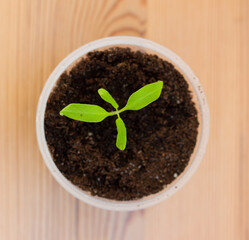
x=160, y=137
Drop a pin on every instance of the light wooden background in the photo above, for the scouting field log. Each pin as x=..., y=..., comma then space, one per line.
x=212, y=36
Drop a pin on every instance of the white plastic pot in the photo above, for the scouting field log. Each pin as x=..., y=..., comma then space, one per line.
x=198, y=96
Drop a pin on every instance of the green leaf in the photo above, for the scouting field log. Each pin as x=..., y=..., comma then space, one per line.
x=121, y=137
x=84, y=112
x=144, y=96
x=105, y=95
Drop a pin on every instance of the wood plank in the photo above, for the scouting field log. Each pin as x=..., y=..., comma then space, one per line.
x=211, y=36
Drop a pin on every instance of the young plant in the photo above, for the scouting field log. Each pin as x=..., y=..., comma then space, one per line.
x=94, y=113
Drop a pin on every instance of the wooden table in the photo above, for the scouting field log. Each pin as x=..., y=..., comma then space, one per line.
x=212, y=36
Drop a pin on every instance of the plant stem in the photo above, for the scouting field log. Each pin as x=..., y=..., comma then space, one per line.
x=122, y=110
x=117, y=112
x=112, y=113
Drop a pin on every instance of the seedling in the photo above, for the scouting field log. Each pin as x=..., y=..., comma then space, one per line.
x=94, y=113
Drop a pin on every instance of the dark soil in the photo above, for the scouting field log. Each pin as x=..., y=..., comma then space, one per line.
x=161, y=137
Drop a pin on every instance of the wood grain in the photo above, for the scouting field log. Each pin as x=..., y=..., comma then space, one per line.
x=211, y=36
